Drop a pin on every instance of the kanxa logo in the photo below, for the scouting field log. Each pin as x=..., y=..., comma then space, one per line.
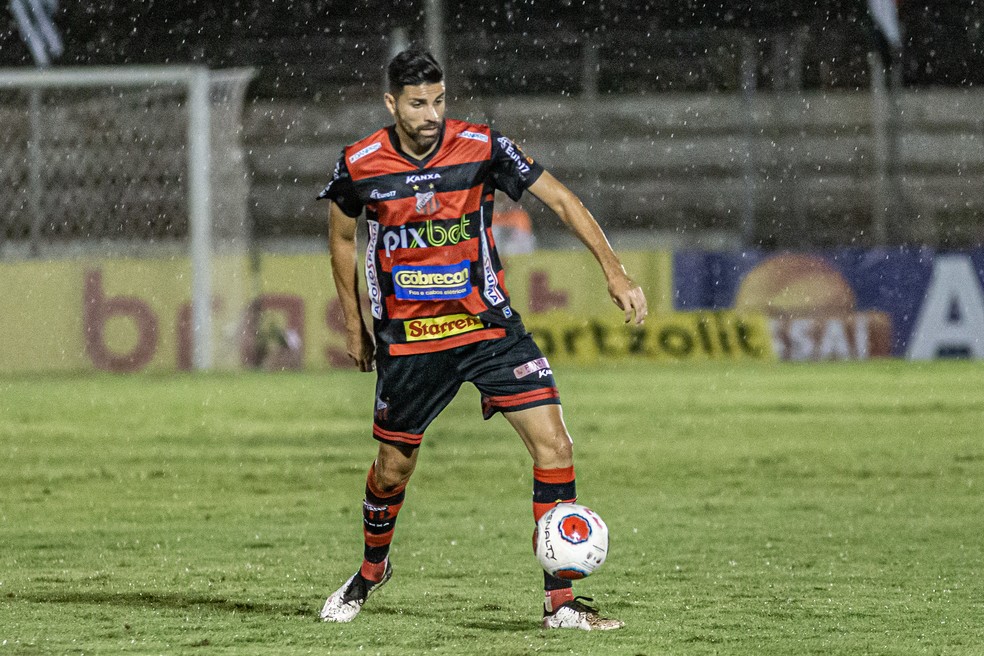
x=422, y=177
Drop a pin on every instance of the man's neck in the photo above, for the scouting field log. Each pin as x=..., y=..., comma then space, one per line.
x=408, y=145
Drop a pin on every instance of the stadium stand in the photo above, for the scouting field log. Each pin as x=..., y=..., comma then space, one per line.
x=639, y=105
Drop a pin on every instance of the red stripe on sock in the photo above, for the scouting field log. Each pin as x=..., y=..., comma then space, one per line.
x=541, y=509
x=381, y=540
x=373, y=571
x=555, y=475
x=371, y=484
x=557, y=598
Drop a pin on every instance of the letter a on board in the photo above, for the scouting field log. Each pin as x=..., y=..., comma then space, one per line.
x=951, y=319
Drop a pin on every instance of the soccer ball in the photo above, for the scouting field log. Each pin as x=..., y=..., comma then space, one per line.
x=571, y=541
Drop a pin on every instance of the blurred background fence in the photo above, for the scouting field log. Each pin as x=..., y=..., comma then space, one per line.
x=716, y=125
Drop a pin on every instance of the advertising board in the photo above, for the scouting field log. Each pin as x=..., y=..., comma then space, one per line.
x=847, y=303
x=128, y=315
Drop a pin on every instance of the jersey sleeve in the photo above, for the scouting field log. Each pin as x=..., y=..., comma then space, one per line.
x=341, y=191
x=512, y=170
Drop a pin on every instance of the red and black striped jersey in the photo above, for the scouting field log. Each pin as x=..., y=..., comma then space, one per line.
x=435, y=279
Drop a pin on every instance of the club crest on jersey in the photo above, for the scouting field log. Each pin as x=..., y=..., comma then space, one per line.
x=427, y=202
x=432, y=283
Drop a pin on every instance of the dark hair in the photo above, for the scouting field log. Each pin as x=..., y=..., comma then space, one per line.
x=412, y=67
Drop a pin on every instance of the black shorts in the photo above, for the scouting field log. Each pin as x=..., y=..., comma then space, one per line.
x=411, y=390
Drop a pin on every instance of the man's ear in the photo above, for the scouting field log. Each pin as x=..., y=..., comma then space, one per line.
x=390, y=101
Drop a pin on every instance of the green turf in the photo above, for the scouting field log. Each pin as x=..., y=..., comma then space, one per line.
x=754, y=509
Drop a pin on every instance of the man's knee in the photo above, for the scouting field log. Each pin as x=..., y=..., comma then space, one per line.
x=554, y=445
x=393, y=467
x=551, y=446
x=545, y=435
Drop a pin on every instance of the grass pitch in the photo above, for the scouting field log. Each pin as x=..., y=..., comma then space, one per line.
x=754, y=509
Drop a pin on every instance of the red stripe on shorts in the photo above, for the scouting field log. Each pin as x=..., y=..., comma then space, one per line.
x=396, y=436
x=513, y=400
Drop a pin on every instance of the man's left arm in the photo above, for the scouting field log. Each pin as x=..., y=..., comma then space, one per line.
x=626, y=294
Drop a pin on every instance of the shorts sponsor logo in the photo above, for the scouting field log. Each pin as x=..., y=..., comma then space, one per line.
x=524, y=370
x=432, y=283
x=441, y=327
x=368, y=150
x=477, y=136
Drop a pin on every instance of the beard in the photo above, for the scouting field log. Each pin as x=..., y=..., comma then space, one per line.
x=423, y=140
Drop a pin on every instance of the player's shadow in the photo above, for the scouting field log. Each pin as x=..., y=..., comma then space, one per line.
x=507, y=625
x=512, y=626
x=176, y=601
x=166, y=600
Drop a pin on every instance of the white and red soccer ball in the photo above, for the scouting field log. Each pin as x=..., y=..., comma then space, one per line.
x=571, y=541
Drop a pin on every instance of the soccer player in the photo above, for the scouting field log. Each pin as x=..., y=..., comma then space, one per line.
x=441, y=314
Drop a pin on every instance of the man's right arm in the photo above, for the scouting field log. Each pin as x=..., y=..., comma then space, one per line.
x=345, y=271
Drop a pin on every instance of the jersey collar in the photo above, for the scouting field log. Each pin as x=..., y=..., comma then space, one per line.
x=419, y=163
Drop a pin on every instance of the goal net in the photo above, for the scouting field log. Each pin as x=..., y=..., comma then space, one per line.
x=138, y=162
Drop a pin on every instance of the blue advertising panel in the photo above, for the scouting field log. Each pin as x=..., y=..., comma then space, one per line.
x=847, y=303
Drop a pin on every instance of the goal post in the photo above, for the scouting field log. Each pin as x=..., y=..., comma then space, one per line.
x=133, y=157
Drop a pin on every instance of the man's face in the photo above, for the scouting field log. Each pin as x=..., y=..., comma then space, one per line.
x=419, y=113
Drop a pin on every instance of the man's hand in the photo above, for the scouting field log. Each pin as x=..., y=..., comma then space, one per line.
x=629, y=297
x=361, y=348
